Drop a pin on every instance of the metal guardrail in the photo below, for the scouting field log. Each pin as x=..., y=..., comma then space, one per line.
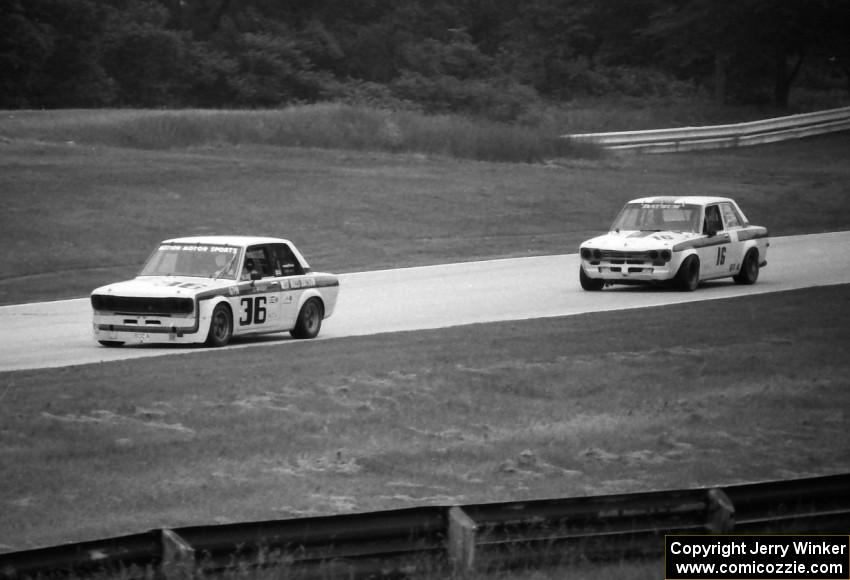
x=440, y=540
x=721, y=136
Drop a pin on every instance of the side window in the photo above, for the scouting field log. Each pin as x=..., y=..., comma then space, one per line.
x=284, y=262
x=730, y=216
x=256, y=258
x=712, y=219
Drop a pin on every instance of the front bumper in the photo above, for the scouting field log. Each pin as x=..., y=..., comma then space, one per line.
x=130, y=329
x=627, y=273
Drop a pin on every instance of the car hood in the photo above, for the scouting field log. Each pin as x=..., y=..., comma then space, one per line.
x=639, y=241
x=164, y=286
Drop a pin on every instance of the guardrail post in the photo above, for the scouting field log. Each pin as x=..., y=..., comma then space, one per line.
x=721, y=511
x=178, y=557
x=462, y=533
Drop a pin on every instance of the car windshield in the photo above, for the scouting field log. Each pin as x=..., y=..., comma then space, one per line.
x=657, y=217
x=196, y=260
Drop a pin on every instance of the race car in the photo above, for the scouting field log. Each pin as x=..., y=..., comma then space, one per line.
x=676, y=240
x=208, y=289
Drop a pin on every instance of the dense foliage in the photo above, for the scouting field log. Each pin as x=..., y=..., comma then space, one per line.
x=488, y=57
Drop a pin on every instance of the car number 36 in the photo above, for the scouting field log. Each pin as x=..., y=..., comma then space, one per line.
x=253, y=310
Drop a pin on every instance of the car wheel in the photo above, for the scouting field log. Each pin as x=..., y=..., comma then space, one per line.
x=111, y=343
x=309, y=320
x=221, y=326
x=749, y=269
x=588, y=283
x=687, y=278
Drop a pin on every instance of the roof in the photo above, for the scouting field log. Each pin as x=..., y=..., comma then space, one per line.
x=226, y=240
x=685, y=199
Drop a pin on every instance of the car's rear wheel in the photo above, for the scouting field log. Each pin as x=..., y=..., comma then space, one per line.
x=687, y=278
x=221, y=326
x=309, y=319
x=588, y=283
x=111, y=343
x=749, y=269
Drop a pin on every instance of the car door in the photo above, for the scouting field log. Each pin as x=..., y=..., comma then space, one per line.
x=733, y=223
x=714, y=250
x=258, y=305
x=290, y=271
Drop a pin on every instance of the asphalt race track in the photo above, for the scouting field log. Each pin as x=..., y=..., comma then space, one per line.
x=55, y=334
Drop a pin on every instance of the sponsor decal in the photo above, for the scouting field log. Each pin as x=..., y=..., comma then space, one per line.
x=662, y=205
x=200, y=248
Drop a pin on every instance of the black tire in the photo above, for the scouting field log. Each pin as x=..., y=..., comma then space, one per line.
x=687, y=278
x=111, y=343
x=749, y=269
x=309, y=319
x=221, y=326
x=588, y=283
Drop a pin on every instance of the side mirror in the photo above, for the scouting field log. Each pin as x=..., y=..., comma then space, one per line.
x=256, y=275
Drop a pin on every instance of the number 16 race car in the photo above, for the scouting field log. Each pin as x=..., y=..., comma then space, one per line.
x=211, y=288
x=678, y=240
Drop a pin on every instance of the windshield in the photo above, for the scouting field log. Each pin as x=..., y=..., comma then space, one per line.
x=657, y=217
x=197, y=260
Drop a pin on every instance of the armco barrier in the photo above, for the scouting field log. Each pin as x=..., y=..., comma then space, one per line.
x=437, y=541
x=721, y=136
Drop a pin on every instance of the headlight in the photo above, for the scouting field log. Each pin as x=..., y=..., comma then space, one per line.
x=660, y=257
x=586, y=253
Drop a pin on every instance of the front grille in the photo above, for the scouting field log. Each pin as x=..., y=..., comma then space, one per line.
x=151, y=306
x=619, y=257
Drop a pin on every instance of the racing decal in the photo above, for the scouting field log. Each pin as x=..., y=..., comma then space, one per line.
x=187, y=285
x=271, y=286
x=703, y=242
x=253, y=310
x=752, y=233
x=662, y=203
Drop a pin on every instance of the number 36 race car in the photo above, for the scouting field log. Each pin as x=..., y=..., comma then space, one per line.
x=211, y=288
x=678, y=240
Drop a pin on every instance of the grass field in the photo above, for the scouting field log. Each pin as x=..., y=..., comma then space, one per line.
x=690, y=395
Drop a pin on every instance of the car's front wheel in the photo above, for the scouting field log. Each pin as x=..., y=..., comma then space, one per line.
x=588, y=283
x=749, y=269
x=687, y=278
x=221, y=326
x=309, y=320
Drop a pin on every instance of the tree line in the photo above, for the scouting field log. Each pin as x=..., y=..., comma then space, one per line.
x=488, y=57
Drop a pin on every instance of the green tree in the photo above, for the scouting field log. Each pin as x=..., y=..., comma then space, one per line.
x=55, y=49
x=25, y=46
x=754, y=49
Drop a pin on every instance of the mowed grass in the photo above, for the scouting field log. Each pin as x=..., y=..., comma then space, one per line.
x=689, y=395
x=698, y=394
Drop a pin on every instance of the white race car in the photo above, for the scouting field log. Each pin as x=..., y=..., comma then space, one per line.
x=208, y=289
x=679, y=240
